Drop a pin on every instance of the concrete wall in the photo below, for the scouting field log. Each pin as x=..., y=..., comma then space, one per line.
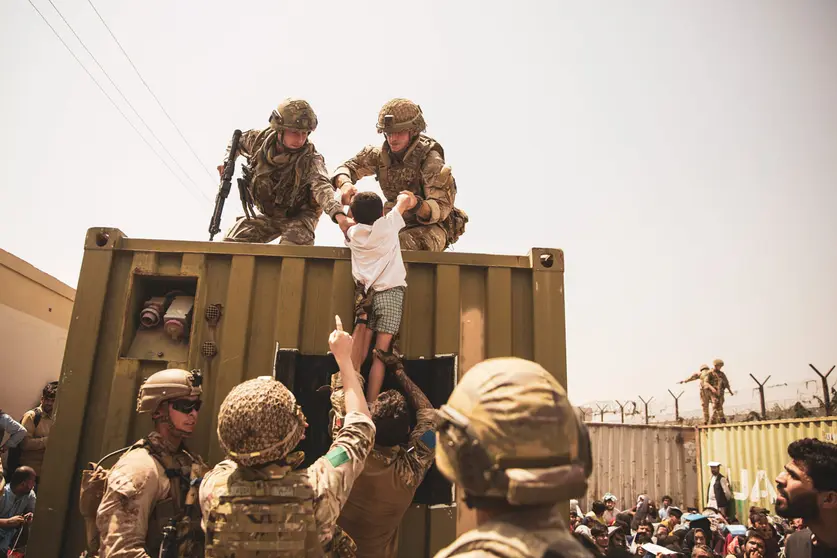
x=35, y=310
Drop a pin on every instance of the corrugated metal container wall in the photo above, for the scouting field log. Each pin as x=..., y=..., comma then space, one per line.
x=629, y=460
x=753, y=454
x=278, y=306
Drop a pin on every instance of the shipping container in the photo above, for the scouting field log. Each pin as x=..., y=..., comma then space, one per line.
x=629, y=460
x=753, y=454
x=35, y=311
x=246, y=310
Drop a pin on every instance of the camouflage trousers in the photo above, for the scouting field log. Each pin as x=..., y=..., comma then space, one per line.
x=705, y=398
x=295, y=231
x=429, y=238
x=718, y=409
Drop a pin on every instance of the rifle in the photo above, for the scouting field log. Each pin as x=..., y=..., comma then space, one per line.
x=224, y=188
x=168, y=548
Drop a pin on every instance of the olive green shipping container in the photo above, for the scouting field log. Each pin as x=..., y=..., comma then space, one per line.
x=753, y=454
x=277, y=307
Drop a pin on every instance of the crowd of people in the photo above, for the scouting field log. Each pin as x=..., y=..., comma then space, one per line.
x=804, y=523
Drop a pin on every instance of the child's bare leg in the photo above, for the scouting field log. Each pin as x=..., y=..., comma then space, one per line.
x=361, y=336
x=376, y=374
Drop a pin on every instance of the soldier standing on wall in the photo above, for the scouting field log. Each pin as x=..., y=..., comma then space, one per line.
x=155, y=481
x=255, y=502
x=708, y=391
x=409, y=160
x=286, y=180
x=514, y=445
x=721, y=384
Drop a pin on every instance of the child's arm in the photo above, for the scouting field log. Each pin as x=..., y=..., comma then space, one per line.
x=406, y=200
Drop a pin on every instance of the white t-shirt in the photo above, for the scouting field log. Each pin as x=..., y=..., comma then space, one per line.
x=376, y=253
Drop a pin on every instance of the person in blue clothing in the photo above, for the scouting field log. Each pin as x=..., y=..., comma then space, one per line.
x=17, y=506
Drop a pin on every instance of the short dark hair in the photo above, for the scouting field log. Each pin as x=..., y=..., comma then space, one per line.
x=667, y=497
x=391, y=418
x=50, y=390
x=598, y=529
x=598, y=507
x=819, y=459
x=21, y=475
x=753, y=534
x=367, y=207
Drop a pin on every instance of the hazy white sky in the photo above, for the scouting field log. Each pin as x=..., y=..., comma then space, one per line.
x=683, y=154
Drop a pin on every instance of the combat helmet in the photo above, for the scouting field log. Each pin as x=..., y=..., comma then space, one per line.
x=293, y=114
x=172, y=383
x=717, y=362
x=259, y=422
x=704, y=367
x=509, y=433
x=399, y=115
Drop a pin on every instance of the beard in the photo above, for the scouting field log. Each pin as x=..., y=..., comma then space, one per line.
x=803, y=505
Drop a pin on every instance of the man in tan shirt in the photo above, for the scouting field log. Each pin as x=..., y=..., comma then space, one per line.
x=394, y=469
x=38, y=422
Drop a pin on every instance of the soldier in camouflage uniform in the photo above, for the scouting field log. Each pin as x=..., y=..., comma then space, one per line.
x=156, y=479
x=255, y=503
x=409, y=160
x=394, y=469
x=514, y=445
x=721, y=385
x=287, y=180
x=707, y=388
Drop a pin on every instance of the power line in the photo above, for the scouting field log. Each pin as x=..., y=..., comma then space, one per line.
x=109, y=98
x=203, y=165
x=124, y=98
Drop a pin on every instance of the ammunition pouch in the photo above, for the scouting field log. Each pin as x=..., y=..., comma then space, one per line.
x=341, y=545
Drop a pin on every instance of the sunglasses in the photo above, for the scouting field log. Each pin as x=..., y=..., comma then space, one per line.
x=186, y=406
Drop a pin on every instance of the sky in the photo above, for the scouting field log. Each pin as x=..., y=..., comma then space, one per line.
x=682, y=154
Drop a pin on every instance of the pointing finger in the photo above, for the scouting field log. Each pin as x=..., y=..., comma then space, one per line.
x=338, y=323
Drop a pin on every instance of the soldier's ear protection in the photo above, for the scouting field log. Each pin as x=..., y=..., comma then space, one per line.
x=477, y=472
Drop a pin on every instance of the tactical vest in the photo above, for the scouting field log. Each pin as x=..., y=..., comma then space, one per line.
x=276, y=179
x=506, y=540
x=181, y=506
x=405, y=174
x=264, y=514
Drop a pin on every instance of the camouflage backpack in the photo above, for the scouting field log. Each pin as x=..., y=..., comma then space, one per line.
x=94, y=481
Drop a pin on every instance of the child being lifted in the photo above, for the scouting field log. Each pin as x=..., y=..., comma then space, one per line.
x=378, y=268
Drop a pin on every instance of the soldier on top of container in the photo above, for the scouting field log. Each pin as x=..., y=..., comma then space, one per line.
x=255, y=502
x=721, y=384
x=287, y=180
x=409, y=160
x=154, y=482
x=515, y=447
x=708, y=391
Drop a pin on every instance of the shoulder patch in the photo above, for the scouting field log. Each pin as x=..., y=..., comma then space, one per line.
x=429, y=439
x=337, y=456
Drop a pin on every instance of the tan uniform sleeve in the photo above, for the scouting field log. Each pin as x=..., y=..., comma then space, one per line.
x=31, y=443
x=438, y=190
x=134, y=484
x=245, y=144
x=321, y=187
x=361, y=165
x=334, y=474
x=414, y=463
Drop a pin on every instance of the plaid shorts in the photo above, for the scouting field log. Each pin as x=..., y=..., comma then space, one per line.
x=387, y=307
